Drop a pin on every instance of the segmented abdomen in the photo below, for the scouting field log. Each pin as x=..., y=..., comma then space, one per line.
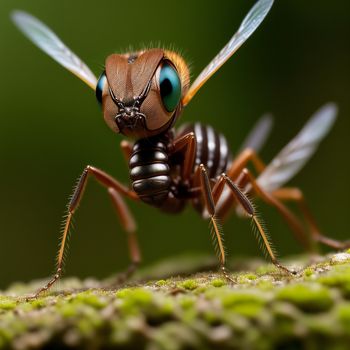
x=149, y=171
x=212, y=148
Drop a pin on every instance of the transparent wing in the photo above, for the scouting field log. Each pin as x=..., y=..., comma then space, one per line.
x=252, y=21
x=48, y=41
x=259, y=134
x=293, y=157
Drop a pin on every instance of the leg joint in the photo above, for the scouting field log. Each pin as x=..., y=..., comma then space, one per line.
x=246, y=171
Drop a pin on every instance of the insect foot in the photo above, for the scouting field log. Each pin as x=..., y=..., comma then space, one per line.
x=227, y=275
x=122, y=277
x=49, y=284
x=286, y=270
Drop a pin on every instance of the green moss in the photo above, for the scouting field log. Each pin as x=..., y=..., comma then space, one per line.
x=161, y=283
x=339, y=277
x=311, y=297
x=232, y=299
x=25, y=307
x=187, y=311
x=251, y=276
x=89, y=298
x=340, y=259
x=175, y=336
x=139, y=301
x=251, y=310
x=166, y=306
x=246, y=277
x=201, y=289
x=134, y=298
x=268, y=310
x=67, y=310
x=89, y=322
x=343, y=315
x=139, y=295
x=308, y=272
x=218, y=282
x=187, y=302
x=266, y=269
x=7, y=303
x=188, y=284
x=265, y=284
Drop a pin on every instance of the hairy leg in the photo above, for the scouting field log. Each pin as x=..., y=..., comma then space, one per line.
x=115, y=188
x=212, y=195
x=296, y=195
x=201, y=176
x=224, y=201
x=245, y=203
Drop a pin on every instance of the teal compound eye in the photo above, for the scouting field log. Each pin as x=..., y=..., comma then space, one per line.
x=170, y=86
x=100, y=85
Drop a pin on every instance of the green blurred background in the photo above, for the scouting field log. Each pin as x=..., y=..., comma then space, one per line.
x=51, y=125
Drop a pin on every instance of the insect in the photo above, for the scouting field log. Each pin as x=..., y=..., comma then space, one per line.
x=142, y=94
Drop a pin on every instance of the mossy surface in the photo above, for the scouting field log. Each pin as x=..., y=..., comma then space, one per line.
x=265, y=309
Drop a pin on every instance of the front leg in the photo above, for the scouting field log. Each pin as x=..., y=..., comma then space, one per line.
x=115, y=190
x=126, y=148
x=186, y=144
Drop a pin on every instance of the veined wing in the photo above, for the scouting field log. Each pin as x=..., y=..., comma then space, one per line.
x=250, y=23
x=294, y=156
x=259, y=134
x=43, y=37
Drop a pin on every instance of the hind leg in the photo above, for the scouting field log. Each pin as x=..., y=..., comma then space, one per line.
x=276, y=199
x=297, y=196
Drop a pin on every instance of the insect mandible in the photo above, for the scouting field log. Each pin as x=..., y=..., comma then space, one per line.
x=142, y=94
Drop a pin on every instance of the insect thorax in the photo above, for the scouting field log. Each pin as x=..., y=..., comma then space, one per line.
x=149, y=170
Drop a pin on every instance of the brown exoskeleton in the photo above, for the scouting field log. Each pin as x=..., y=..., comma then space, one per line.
x=142, y=95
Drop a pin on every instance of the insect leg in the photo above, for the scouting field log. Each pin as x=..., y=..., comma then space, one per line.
x=126, y=147
x=129, y=226
x=249, y=209
x=295, y=224
x=296, y=195
x=202, y=174
x=241, y=161
x=107, y=181
x=187, y=145
x=233, y=171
